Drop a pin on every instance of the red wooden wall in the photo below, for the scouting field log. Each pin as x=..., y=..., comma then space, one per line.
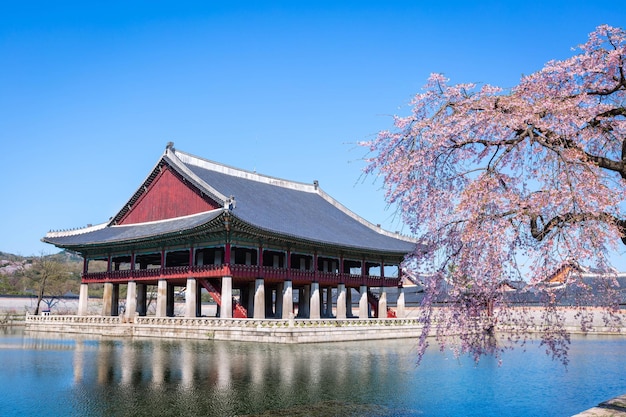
x=166, y=197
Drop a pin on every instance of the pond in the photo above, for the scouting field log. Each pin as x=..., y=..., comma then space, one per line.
x=53, y=375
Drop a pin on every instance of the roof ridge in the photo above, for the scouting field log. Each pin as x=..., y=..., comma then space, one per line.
x=173, y=156
x=190, y=159
x=76, y=231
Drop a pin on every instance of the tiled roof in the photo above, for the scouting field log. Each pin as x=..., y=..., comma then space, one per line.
x=105, y=234
x=294, y=209
x=298, y=210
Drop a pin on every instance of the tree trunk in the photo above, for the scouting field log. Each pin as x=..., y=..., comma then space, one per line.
x=40, y=295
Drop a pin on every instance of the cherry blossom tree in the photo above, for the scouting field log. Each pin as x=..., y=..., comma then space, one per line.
x=501, y=185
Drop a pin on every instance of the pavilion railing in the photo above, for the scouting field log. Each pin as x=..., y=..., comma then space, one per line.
x=241, y=272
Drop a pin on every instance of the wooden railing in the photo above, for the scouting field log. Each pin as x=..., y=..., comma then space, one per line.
x=240, y=272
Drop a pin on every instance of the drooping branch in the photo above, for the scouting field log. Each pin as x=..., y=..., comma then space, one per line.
x=540, y=232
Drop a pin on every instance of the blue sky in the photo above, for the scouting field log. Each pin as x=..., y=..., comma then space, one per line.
x=91, y=92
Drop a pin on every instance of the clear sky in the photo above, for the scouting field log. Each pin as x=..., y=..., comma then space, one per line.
x=91, y=92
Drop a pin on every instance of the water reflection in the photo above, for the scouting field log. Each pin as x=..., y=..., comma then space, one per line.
x=221, y=377
x=81, y=376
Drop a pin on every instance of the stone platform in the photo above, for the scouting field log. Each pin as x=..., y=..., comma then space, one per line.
x=245, y=330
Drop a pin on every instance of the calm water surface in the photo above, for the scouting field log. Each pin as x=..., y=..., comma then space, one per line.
x=57, y=375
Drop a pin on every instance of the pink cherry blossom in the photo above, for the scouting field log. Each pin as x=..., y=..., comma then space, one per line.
x=506, y=185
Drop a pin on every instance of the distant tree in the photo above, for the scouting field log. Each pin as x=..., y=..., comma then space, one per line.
x=53, y=279
x=488, y=177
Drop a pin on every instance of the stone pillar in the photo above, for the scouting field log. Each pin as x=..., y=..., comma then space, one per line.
x=363, y=310
x=304, y=302
x=161, y=302
x=269, y=301
x=198, y=299
x=131, y=301
x=280, y=290
x=341, y=301
x=169, y=306
x=314, y=305
x=259, y=299
x=191, y=298
x=115, y=304
x=142, y=299
x=287, y=296
x=250, y=305
x=329, y=302
x=226, y=310
x=401, y=311
x=382, y=303
x=83, y=300
x=107, y=299
x=349, y=303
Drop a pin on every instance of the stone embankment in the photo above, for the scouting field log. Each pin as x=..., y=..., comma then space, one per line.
x=615, y=407
x=270, y=330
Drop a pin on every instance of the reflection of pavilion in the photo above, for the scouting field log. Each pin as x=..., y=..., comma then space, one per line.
x=256, y=243
x=164, y=377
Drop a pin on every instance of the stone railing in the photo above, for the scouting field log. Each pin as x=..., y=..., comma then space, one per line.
x=272, y=323
x=222, y=322
x=73, y=319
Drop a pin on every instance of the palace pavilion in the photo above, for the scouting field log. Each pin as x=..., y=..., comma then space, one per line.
x=263, y=247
